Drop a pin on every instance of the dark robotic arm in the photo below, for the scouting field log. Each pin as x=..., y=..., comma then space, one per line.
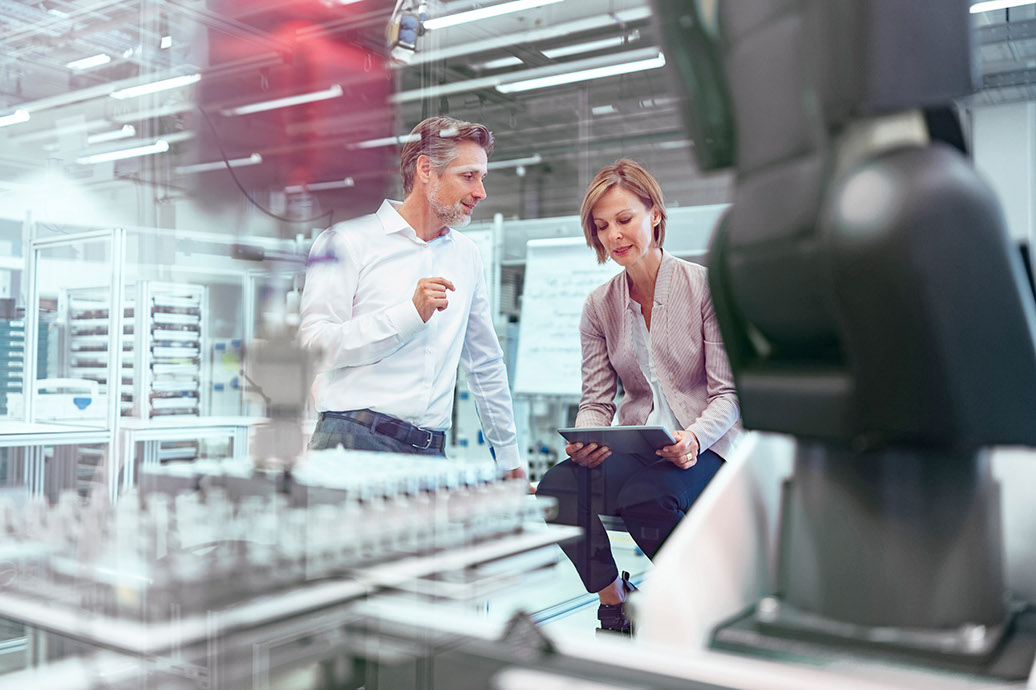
x=872, y=306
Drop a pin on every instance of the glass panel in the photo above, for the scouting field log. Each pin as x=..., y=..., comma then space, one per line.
x=194, y=290
x=12, y=319
x=76, y=332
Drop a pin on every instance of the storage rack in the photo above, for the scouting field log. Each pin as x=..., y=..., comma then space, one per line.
x=169, y=344
x=86, y=312
x=161, y=366
x=12, y=361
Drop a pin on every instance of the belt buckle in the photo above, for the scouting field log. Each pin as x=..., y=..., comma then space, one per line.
x=427, y=441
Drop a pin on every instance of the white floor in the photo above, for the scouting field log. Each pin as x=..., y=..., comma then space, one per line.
x=556, y=598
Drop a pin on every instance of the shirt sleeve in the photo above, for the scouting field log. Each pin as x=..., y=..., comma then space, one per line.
x=722, y=408
x=483, y=363
x=597, y=405
x=328, y=325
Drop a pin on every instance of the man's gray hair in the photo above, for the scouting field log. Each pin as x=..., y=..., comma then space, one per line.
x=437, y=137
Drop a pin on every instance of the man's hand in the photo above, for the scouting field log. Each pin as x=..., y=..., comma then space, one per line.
x=430, y=296
x=587, y=456
x=519, y=473
x=683, y=453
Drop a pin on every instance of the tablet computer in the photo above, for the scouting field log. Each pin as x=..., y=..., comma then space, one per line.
x=634, y=440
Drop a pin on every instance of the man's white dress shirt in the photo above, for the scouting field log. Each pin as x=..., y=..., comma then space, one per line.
x=377, y=353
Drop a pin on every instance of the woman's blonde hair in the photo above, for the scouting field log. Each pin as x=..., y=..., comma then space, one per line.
x=631, y=176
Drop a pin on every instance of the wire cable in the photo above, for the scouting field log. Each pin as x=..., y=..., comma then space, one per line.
x=233, y=176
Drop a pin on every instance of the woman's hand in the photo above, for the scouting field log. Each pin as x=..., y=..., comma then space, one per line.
x=587, y=456
x=683, y=453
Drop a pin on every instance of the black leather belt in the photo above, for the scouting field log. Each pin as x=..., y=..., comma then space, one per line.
x=385, y=425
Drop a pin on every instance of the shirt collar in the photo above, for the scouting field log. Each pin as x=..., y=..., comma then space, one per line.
x=392, y=222
x=662, y=282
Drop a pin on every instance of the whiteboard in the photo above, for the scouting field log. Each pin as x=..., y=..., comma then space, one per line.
x=559, y=274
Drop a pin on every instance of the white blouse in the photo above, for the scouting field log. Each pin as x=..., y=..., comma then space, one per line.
x=661, y=414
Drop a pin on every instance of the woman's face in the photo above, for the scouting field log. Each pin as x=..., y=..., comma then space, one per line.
x=625, y=226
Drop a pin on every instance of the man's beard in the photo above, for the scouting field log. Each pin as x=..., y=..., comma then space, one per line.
x=453, y=216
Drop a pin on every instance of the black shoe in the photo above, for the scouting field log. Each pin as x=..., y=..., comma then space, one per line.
x=613, y=616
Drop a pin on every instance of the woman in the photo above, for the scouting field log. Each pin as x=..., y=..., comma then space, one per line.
x=653, y=328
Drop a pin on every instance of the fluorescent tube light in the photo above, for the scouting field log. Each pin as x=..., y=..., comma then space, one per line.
x=320, y=186
x=253, y=159
x=386, y=141
x=484, y=13
x=658, y=102
x=564, y=51
x=603, y=110
x=990, y=5
x=583, y=75
x=333, y=92
x=150, y=113
x=125, y=132
x=14, y=118
x=515, y=162
x=590, y=46
x=156, y=86
x=160, y=146
x=88, y=62
x=510, y=61
x=165, y=42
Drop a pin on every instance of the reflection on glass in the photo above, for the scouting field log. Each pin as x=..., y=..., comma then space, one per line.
x=12, y=319
x=76, y=331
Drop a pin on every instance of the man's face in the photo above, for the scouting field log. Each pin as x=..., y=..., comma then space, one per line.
x=454, y=193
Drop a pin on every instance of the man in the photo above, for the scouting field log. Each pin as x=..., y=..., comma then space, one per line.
x=395, y=300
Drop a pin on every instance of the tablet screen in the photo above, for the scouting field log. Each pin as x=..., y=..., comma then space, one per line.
x=634, y=440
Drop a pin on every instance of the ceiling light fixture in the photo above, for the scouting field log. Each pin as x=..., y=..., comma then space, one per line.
x=88, y=62
x=990, y=5
x=253, y=159
x=590, y=46
x=608, y=21
x=583, y=75
x=385, y=141
x=565, y=51
x=609, y=60
x=288, y=101
x=125, y=132
x=14, y=118
x=160, y=146
x=150, y=113
x=484, y=13
x=156, y=86
x=61, y=131
x=165, y=42
x=510, y=61
x=534, y=159
x=320, y=186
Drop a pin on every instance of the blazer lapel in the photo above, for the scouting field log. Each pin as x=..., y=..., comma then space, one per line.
x=625, y=317
x=660, y=313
